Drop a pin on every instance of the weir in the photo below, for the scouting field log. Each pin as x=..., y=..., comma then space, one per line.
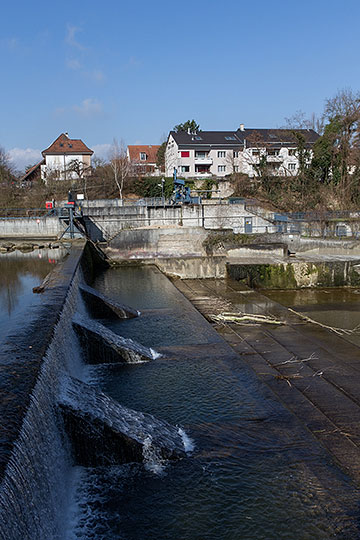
x=88, y=419
x=102, y=345
x=103, y=307
x=41, y=404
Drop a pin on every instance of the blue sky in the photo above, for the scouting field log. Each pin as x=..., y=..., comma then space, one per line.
x=132, y=70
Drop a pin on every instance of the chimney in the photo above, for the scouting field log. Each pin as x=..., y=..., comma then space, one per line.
x=242, y=127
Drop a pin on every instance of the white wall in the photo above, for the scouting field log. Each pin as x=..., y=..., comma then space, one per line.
x=288, y=164
x=62, y=163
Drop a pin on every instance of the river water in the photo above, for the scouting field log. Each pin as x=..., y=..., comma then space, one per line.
x=336, y=307
x=19, y=273
x=254, y=472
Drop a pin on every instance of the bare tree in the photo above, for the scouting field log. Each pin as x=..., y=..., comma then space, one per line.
x=6, y=169
x=82, y=171
x=120, y=165
x=299, y=120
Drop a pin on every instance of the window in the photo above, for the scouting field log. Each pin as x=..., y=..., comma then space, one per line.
x=230, y=138
x=236, y=168
x=143, y=156
x=221, y=168
x=196, y=138
x=292, y=166
x=185, y=153
x=236, y=153
x=221, y=154
x=255, y=152
x=201, y=154
x=273, y=152
x=185, y=168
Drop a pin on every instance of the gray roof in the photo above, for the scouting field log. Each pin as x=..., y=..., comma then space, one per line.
x=248, y=137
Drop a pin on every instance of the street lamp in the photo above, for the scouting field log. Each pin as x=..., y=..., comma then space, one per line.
x=162, y=190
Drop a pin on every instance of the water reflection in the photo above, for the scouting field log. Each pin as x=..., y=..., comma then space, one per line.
x=19, y=273
x=337, y=307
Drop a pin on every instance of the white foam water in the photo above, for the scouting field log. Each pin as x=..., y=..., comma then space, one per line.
x=187, y=442
x=155, y=354
x=153, y=462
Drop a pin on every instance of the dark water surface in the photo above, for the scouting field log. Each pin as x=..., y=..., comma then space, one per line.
x=19, y=273
x=337, y=307
x=255, y=472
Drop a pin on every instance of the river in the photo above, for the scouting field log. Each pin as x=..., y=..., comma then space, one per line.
x=252, y=471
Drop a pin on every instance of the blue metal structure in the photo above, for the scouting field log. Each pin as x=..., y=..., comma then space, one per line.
x=181, y=193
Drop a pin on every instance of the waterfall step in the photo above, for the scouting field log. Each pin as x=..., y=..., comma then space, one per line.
x=103, y=432
x=101, y=345
x=103, y=307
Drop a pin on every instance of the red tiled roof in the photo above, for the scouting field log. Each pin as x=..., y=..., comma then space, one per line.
x=150, y=151
x=64, y=145
x=32, y=170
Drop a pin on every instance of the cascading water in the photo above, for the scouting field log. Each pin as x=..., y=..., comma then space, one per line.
x=36, y=483
x=153, y=461
x=33, y=492
x=103, y=345
x=245, y=479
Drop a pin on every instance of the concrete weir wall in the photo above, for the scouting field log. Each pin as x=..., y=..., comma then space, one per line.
x=33, y=455
x=112, y=219
x=44, y=227
x=24, y=363
x=297, y=274
x=158, y=242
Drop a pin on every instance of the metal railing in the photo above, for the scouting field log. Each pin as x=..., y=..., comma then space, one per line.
x=6, y=213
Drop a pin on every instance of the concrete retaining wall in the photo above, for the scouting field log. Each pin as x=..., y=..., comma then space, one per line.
x=157, y=242
x=297, y=274
x=112, y=219
x=47, y=227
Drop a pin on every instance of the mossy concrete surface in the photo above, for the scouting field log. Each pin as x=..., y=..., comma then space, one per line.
x=297, y=274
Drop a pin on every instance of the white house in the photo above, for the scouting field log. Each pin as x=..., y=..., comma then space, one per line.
x=66, y=159
x=220, y=153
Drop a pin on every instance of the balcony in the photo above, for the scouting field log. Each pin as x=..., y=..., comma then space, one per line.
x=203, y=160
x=274, y=159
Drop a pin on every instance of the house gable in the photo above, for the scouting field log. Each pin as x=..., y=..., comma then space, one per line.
x=64, y=145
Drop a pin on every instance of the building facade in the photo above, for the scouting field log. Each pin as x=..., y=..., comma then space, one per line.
x=220, y=153
x=143, y=159
x=66, y=159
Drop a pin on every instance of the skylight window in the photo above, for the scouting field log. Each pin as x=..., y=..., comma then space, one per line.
x=230, y=138
x=197, y=138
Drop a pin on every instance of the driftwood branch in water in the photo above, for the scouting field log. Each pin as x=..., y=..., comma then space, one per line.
x=241, y=318
x=339, y=331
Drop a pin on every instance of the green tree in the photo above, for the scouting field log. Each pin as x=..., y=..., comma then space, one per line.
x=160, y=156
x=189, y=125
x=325, y=166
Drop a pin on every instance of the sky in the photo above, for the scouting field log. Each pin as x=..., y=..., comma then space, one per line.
x=132, y=70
